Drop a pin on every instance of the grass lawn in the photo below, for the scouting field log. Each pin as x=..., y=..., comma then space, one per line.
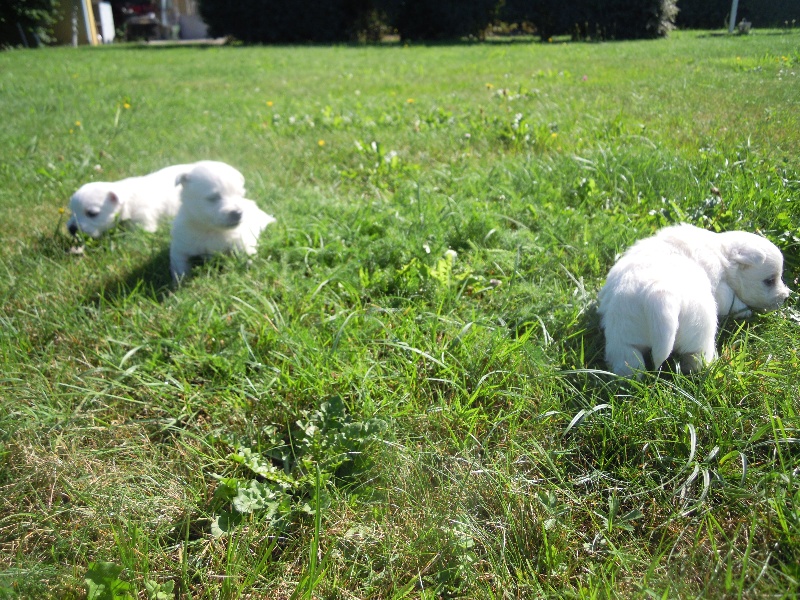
x=360, y=412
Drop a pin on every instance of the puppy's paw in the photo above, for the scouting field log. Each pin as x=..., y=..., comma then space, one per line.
x=692, y=363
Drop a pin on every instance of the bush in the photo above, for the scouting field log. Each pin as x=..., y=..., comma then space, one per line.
x=26, y=22
x=595, y=19
x=549, y=17
x=440, y=19
x=635, y=19
x=287, y=21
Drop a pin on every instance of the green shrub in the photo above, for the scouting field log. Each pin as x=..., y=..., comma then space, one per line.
x=440, y=19
x=549, y=17
x=23, y=22
x=287, y=21
x=595, y=19
x=634, y=19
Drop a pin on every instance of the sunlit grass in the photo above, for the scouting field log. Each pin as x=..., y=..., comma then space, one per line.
x=403, y=395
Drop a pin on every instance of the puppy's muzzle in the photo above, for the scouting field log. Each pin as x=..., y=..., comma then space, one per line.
x=234, y=217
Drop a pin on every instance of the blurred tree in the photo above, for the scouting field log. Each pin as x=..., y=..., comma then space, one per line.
x=27, y=22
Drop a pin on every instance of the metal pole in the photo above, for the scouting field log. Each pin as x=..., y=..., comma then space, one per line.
x=732, y=22
x=74, y=23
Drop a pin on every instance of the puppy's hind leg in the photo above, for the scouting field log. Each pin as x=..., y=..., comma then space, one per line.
x=625, y=360
x=701, y=348
x=664, y=323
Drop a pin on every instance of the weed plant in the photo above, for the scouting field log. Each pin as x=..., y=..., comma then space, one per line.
x=403, y=395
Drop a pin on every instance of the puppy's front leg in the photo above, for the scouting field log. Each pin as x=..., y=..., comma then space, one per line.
x=179, y=265
x=739, y=309
x=729, y=304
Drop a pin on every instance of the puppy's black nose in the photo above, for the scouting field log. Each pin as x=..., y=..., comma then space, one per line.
x=73, y=228
x=235, y=217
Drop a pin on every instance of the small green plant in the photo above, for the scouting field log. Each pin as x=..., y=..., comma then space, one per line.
x=291, y=477
x=378, y=167
x=520, y=134
x=160, y=591
x=613, y=520
x=103, y=582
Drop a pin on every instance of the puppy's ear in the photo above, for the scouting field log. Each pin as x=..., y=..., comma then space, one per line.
x=112, y=198
x=748, y=256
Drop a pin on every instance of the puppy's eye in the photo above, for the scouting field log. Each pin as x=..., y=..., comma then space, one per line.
x=92, y=212
x=771, y=281
x=214, y=198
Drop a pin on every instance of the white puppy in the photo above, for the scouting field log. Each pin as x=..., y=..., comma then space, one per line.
x=96, y=207
x=665, y=293
x=214, y=216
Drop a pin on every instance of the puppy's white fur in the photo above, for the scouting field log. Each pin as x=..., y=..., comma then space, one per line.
x=664, y=294
x=214, y=216
x=96, y=207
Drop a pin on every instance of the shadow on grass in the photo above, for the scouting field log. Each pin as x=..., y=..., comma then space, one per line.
x=56, y=246
x=392, y=43
x=151, y=280
x=759, y=32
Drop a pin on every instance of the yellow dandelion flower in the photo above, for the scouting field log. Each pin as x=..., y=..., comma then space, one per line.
x=554, y=135
x=489, y=86
x=126, y=105
x=321, y=143
x=269, y=102
x=410, y=101
x=61, y=210
x=77, y=123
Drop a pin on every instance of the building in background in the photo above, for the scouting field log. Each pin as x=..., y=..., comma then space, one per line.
x=87, y=22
